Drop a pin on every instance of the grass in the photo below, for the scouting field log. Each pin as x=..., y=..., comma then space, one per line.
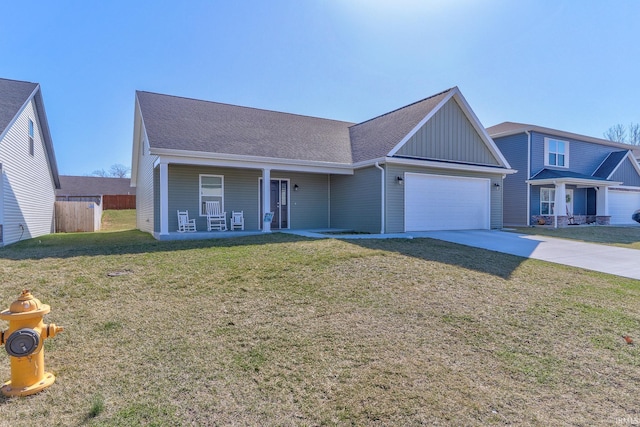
x=281, y=330
x=626, y=237
x=118, y=220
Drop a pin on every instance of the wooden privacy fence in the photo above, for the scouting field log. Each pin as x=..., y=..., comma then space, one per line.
x=77, y=216
x=119, y=201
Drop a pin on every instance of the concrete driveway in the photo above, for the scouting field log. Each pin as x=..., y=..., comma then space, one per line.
x=606, y=259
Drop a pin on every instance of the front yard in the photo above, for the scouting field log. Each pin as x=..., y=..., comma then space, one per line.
x=626, y=237
x=280, y=330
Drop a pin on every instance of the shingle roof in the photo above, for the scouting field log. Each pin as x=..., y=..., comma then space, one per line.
x=93, y=186
x=512, y=128
x=377, y=137
x=556, y=174
x=187, y=124
x=13, y=95
x=610, y=164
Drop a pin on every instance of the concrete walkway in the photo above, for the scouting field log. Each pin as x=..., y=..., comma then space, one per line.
x=590, y=256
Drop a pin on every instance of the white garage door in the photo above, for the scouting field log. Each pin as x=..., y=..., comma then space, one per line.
x=436, y=202
x=622, y=204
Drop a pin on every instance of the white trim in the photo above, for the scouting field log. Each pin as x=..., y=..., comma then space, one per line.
x=528, y=176
x=20, y=110
x=250, y=162
x=422, y=122
x=566, y=153
x=469, y=114
x=288, y=204
x=625, y=188
x=164, y=199
x=632, y=159
x=200, y=192
x=449, y=166
x=382, y=195
x=579, y=182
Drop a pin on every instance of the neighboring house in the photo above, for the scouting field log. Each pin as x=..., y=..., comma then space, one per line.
x=564, y=178
x=427, y=166
x=27, y=163
x=113, y=193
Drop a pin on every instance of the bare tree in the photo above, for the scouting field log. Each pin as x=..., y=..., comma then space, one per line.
x=115, y=171
x=119, y=171
x=100, y=172
x=634, y=134
x=617, y=133
x=626, y=134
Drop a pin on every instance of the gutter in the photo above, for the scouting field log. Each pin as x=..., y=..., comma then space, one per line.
x=382, y=180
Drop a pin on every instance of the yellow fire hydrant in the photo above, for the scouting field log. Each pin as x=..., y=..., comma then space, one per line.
x=23, y=340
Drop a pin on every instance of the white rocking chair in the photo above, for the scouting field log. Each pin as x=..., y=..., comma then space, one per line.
x=216, y=219
x=184, y=223
x=237, y=220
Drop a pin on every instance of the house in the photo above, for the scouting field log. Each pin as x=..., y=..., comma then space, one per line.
x=110, y=193
x=27, y=163
x=565, y=178
x=427, y=166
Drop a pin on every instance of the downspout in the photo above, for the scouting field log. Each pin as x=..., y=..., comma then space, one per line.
x=528, y=178
x=381, y=197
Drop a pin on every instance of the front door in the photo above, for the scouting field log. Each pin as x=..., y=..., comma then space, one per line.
x=279, y=192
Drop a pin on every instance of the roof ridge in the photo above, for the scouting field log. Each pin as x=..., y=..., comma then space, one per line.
x=245, y=107
x=19, y=81
x=406, y=106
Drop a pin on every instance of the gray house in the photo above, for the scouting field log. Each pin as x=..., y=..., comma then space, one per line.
x=426, y=166
x=565, y=178
x=28, y=169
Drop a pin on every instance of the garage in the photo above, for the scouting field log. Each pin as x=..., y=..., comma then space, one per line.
x=622, y=204
x=438, y=202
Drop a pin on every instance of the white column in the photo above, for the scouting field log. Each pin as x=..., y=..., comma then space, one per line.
x=164, y=199
x=560, y=202
x=602, y=201
x=266, y=198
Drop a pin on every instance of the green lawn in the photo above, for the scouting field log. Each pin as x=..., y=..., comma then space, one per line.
x=281, y=330
x=626, y=237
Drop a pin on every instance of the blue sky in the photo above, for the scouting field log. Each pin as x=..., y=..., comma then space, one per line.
x=570, y=65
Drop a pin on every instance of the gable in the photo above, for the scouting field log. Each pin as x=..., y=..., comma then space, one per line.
x=627, y=173
x=449, y=136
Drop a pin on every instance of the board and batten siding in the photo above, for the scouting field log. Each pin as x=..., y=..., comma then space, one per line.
x=307, y=206
x=28, y=189
x=145, y=185
x=395, y=194
x=356, y=200
x=627, y=174
x=448, y=135
x=515, y=149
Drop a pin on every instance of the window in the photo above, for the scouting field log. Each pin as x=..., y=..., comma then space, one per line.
x=547, y=201
x=211, y=189
x=31, y=135
x=556, y=152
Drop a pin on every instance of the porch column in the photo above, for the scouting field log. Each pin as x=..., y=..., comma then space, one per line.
x=266, y=198
x=164, y=199
x=602, y=201
x=560, y=202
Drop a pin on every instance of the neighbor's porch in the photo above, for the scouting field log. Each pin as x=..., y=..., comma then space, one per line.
x=564, y=202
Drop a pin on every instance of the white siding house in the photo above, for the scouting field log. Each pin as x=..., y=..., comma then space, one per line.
x=27, y=162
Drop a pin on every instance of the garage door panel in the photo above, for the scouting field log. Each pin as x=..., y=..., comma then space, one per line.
x=622, y=204
x=436, y=202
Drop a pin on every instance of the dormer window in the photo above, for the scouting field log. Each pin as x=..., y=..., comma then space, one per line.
x=556, y=153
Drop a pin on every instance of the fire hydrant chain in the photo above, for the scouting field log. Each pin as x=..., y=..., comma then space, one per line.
x=23, y=341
